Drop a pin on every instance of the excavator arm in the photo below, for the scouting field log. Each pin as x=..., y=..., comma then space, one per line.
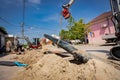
x=115, y=8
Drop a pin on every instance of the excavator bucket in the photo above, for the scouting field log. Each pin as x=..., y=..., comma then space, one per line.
x=65, y=13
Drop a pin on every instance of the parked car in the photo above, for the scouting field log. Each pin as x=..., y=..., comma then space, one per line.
x=68, y=41
x=77, y=41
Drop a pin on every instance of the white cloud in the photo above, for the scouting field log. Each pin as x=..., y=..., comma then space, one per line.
x=54, y=17
x=35, y=1
x=9, y=3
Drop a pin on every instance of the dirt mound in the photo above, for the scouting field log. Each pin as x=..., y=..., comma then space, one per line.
x=54, y=67
x=30, y=57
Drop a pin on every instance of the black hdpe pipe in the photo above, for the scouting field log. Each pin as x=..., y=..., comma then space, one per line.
x=115, y=52
x=69, y=48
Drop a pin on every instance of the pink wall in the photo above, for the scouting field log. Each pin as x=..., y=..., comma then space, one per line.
x=99, y=31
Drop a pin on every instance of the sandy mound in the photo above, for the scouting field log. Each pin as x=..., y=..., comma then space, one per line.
x=53, y=67
x=30, y=57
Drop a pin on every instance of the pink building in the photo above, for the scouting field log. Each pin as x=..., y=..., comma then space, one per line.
x=100, y=27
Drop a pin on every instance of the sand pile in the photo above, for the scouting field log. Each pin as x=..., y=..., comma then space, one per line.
x=53, y=67
x=30, y=57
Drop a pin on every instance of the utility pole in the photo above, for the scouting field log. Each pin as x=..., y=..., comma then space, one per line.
x=22, y=26
x=23, y=19
x=60, y=25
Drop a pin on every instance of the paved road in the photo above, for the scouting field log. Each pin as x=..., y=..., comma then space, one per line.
x=97, y=50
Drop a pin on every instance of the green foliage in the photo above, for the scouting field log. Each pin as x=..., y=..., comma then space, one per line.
x=64, y=34
x=25, y=45
x=76, y=30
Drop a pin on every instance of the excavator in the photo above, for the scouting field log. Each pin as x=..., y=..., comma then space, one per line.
x=33, y=45
x=79, y=56
x=115, y=8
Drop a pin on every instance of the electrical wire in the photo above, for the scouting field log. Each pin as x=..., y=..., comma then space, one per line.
x=41, y=28
x=8, y=22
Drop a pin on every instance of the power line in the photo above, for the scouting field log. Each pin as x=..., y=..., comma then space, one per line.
x=8, y=22
x=40, y=27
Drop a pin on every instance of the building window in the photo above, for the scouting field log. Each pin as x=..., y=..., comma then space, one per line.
x=103, y=25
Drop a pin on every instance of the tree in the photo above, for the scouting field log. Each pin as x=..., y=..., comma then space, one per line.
x=71, y=22
x=76, y=30
x=63, y=34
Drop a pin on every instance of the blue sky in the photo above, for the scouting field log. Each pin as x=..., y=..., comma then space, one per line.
x=43, y=16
